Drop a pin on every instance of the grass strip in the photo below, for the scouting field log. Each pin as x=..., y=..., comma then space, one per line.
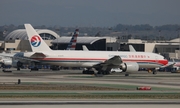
x=93, y=95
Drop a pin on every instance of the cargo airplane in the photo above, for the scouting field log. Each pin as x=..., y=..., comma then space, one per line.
x=6, y=59
x=100, y=61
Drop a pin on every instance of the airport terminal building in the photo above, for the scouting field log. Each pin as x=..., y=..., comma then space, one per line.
x=92, y=43
x=17, y=41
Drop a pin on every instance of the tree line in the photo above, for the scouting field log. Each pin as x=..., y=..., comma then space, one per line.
x=168, y=31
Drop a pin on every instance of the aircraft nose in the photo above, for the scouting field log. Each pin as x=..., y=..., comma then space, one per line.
x=165, y=61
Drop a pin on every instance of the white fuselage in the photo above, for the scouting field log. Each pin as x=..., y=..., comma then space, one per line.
x=90, y=58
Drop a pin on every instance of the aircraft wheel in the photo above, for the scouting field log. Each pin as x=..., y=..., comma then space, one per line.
x=18, y=68
x=126, y=74
x=84, y=72
x=154, y=72
x=91, y=72
x=3, y=65
x=107, y=72
x=99, y=72
x=34, y=69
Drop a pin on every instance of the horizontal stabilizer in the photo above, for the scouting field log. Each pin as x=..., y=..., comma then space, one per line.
x=39, y=55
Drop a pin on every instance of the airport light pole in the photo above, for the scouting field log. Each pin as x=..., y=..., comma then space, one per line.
x=179, y=42
x=58, y=32
x=110, y=29
x=159, y=35
x=147, y=33
x=127, y=33
x=178, y=36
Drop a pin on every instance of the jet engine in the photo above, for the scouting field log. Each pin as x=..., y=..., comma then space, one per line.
x=129, y=67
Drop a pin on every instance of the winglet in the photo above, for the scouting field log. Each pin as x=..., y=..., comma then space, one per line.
x=36, y=42
x=85, y=48
x=173, y=61
x=73, y=41
x=131, y=48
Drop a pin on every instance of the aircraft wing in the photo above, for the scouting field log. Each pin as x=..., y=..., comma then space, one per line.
x=110, y=63
x=116, y=60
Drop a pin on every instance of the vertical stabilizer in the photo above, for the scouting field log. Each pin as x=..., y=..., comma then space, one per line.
x=36, y=42
x=73, y=41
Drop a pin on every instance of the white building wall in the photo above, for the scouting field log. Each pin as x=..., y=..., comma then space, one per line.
x=177, y=54
x=149, y=47
x=172, y=55
x=24, y=46
x=21, y=45
x=11, y=44
x=111, y=39
x=134, y=41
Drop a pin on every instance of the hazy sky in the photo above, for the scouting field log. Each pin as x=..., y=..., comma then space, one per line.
x=101, y=13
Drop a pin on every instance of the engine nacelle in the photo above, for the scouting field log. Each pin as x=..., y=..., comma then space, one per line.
x=7, y=62
x=130, y=67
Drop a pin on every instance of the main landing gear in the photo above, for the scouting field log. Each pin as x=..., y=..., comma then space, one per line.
x=88, y=71
x=35, y=68
x=103, y=72
x=154, y=72
x=54, y=68
x=19, y=65
x=100, y=72
x=126, y=74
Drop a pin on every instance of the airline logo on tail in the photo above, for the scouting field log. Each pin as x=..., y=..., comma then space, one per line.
x=35, y=41
x=72, y=44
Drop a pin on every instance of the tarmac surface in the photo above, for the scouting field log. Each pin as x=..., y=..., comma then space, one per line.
x=163, y=82
x=91, y=106
x=162, y=79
